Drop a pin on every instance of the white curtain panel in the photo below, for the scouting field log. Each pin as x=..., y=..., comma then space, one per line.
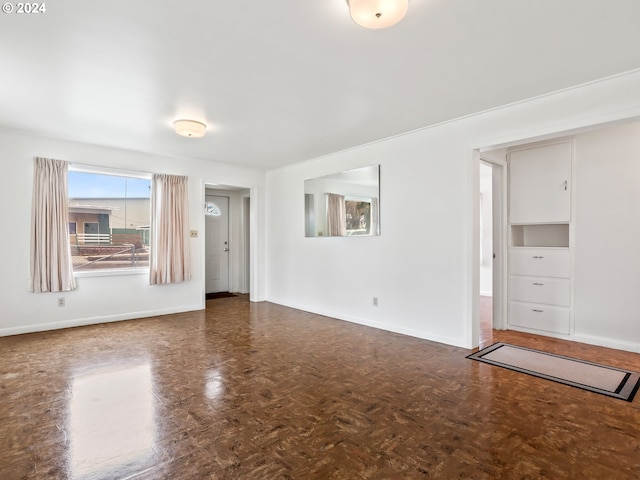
x=51, y=266
x=170, y=260
x=336, y=215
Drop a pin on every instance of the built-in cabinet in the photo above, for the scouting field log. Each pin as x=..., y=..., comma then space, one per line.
x=540, y=243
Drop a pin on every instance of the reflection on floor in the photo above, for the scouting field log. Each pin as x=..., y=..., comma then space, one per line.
x=260, y=391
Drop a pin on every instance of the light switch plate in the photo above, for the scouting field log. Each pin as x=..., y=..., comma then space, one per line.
x=194, y=233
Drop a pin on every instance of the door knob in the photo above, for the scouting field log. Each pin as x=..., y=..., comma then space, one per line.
x=226, y=249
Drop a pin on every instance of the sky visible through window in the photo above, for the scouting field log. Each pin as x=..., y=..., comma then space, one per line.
x=93, y=185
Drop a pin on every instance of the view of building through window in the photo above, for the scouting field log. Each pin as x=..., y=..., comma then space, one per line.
x=109, y=217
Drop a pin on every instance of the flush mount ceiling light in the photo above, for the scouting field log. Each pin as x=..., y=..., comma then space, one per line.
x=377, y=13
x=189, y=128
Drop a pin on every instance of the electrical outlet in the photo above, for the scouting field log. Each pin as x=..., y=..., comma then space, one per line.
x=61, y=301
x=375, y=301
x=194, y=233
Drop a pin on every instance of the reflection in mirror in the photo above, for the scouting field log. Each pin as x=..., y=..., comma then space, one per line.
x=343, y=204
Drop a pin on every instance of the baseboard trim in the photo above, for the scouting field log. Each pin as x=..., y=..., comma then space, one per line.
x=588, y=339
x=607, y=342
x=533, y=331
x=374, y=324
x=82, y=322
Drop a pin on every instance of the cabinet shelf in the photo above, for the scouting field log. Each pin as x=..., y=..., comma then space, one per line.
x=540, y=235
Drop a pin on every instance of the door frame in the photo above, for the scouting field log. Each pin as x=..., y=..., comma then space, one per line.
x=243, y=268
x=246, y=232
x=499, y=194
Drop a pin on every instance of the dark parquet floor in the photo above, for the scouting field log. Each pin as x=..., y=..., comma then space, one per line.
x=261, y=391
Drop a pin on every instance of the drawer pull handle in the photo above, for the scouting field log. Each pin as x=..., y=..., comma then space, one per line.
x=537, y=256
x=536, y=310
x=538, y=284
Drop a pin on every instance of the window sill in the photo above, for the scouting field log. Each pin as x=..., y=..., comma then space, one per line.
x=112, y=272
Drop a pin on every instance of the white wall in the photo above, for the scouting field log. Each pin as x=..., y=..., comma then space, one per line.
x=107, y=298
x=607, y=236
x=425, y=265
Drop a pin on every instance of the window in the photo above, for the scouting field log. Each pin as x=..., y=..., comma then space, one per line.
x=109, y=217
x=91, y=228
x=212, y=209
x=358, y=214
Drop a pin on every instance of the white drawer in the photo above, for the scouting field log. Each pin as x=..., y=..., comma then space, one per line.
x=540, y=262
x=551, y=291
x=540, y=317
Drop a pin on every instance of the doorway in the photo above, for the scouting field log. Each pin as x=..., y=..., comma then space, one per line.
x=491, y=280
x=217, y=244
x=229, y=257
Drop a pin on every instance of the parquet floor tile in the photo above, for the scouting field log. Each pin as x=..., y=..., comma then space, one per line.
x=261, y=391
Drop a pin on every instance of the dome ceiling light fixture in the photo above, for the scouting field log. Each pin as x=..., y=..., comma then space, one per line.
x=189, y=128
x=377, y=13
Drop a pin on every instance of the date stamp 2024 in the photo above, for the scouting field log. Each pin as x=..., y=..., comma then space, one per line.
x=24, y=8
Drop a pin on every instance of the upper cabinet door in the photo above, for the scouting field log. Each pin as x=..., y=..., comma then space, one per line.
x=540, y=184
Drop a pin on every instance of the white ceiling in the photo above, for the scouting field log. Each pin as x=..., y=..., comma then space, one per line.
x=283, y=81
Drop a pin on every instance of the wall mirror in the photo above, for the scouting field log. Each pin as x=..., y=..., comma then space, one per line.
x=344, y=204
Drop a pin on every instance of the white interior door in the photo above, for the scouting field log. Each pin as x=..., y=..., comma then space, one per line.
x=498, y=193
x=217, y=244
